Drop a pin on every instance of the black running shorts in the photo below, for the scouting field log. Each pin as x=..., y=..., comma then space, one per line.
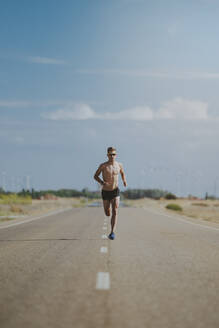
x=110, y=194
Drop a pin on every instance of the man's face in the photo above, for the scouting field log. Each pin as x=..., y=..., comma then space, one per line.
x=111, y=155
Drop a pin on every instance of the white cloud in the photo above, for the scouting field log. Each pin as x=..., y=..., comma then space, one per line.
x=77, y=112
x=45, y=60
x=178, y=109
x=136, y=114
x=85, y=112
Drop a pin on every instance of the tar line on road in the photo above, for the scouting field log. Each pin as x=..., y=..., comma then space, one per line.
x=103, y=278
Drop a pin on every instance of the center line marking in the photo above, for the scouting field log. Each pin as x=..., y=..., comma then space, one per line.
x=103, y=280
x=104, y=236
x=103, y=249
x=104, y=228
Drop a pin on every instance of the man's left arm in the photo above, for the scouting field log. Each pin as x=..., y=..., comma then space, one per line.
x=123, y=175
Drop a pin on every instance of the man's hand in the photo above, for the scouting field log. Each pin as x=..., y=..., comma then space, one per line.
x=123, y=175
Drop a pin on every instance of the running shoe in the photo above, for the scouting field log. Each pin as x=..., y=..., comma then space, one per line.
x=111, y=236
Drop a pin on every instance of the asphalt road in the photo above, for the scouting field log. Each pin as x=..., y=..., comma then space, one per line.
x=60, y=271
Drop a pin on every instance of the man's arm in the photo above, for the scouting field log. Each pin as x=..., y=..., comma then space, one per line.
x=96, y=175
x=123, y=175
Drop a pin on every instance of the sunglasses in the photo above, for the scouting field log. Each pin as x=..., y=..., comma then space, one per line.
x=112, y=154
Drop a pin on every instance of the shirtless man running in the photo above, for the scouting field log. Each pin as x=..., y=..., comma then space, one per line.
x=110, y=192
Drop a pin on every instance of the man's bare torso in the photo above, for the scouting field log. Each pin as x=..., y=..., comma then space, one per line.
x=110, y=173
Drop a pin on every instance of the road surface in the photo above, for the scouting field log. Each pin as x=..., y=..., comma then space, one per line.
x=60, y=271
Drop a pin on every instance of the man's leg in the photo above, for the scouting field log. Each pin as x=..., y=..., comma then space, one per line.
x=115, y=206
x=106, y=205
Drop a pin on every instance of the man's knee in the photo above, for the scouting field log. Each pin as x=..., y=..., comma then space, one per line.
x=115, y=210
x=107, y=211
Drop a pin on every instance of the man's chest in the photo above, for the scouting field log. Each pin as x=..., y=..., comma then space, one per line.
x=111, y=170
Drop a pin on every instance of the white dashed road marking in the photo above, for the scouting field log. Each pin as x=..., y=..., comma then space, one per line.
x=103, y=280
x=103, y=249
x=104, y=236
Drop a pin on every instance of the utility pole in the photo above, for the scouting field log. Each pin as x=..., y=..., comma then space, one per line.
x=4, y=180
x=12, y=183
x=28, y=183
x=18, y=184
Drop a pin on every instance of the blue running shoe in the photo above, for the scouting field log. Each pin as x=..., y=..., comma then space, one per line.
x=111, y=236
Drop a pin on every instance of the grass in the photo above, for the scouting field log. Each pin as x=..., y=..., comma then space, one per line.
x=6, y=219
x=174, y=207
x=134, y=202
x=4, y=213
x=207, y=210
x=16, y=209
x=200, y=204
x=79, y=202
x=15, y=199
x=82, y=202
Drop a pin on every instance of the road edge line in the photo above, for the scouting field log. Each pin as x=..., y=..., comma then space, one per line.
x=37, y=218
x=180, y=219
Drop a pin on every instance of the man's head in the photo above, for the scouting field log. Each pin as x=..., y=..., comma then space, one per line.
x=111, y=153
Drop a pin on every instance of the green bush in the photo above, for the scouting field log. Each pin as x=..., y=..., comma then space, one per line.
x=170, y=196
x=174, y=207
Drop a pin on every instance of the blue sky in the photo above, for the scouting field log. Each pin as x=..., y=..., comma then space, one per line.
x=79, y=76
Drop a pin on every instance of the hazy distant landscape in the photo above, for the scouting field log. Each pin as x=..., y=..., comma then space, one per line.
x=23, y=205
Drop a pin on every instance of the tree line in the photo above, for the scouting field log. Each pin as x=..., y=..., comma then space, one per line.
x=128, y=194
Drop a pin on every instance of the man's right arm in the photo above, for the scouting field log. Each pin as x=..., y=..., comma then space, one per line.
x=96, y=175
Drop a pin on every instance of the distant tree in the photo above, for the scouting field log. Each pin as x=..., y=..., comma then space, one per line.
x=170, y=196
x=85, y=192
x=2, y=190
x=141, y=193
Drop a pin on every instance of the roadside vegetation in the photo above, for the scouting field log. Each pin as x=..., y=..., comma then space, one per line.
x=13, y=198
x=142, y=193
x=199, y=209
x=174, y=207
x=89, y=194
x=32, y=202
x=63, y=193
x=20, y=205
